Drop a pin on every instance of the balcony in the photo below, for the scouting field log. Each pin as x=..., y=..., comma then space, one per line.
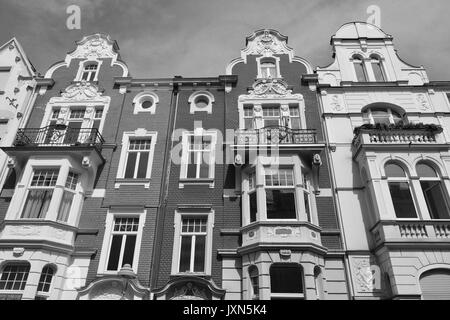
x=275, y=136
x=60, y=135
x=286, y=234
x=398, y=137
x=413, y=232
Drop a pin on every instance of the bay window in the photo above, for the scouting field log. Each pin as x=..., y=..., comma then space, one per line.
x=14, y=277
x=286, y=281
x=40, y=193
x=68, y=195
x=280, y=194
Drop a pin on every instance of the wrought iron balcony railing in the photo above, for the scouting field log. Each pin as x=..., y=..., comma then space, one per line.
x=274, y=135
x=58, y=136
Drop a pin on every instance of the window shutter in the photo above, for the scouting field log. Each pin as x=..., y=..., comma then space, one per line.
x=435, y=285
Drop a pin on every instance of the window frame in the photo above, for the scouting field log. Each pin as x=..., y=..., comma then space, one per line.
x=126, y=137
x=378, y=61
x=140, y=98
x=24, y=284
x=354, y=60
x=260, y=61
x=279, y=187
x=44, y=295
x=111, y=215
x=197, y=94
x=288, y=295
x=81, y=69
x=178, y=220
x=390, y=114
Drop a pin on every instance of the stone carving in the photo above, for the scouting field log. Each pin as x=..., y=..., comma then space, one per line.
x=423, y=102
x=189, y=292
x=25, y=231
x=266, y=44
x=95, y=46
x=364, y=276
x=266, y=87
x=81, y=91
x=335, y=103
x=283, y=232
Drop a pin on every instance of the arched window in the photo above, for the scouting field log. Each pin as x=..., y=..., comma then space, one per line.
x=399, y=188
x=382, y=115
x=377, y=68
x=45, y=282
x=360, y=70
x=435, y=284
x=90, y=72
x=14, y=276
x=268, y=68
x=433, y=191
x=286, y=281
x=254, y=281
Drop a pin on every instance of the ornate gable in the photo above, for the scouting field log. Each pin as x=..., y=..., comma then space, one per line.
x=267, y=42
x=95, y=46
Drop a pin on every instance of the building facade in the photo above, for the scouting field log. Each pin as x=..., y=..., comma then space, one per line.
x=272, y=181
x=387, y=127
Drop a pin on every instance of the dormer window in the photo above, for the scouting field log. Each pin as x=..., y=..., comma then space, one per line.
x=268, y=68
x=360, y=70
x=90, y=72
x=377, y=68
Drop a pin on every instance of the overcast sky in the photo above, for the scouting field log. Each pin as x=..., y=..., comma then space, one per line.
x=163, y=38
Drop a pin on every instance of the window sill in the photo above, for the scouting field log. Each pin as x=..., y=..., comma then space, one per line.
x=132, y=182
x=193, y=181
x=198, y=274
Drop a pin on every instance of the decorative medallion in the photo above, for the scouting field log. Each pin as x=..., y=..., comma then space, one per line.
x=423, y=102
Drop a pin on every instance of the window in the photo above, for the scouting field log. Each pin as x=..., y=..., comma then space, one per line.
x=433, y=192
x=67, y=199
x=45, y=282
x=400, y=191
x=248, y=117
x=193, y=244
x=199, y=160
x=14, y=277
x=138, y=158
x=123, y=242
x=268, y=68
x=145, y=102
x=360, y=70
x=4, y=76
x=280, y=194
x=306, y=196
x=201, y=101
x=377, y=69
x=254, y=281
x=294, y=117
x=286, y=281
x=40, y=193
x=271, y=116
x=252, y=196
x=98, y=116
x=382, y=115
x=90, y=72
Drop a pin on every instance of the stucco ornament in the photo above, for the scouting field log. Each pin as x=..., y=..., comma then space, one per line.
x=423, y=102
x=336, y=104
x=363, y=275
x=266, y=88
x=266, y=44
x=81, y=91
x=97, y=47
x=189, y=292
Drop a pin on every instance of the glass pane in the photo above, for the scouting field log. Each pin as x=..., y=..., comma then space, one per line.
x=248, y=123
x=114, y=253
x=378, y=71
x=402, y=199
x=192, y=165
x=128, y=254
x=425, y=171
x=143, y=163
x=37, y=204
x=253, y=207
x=381, y=116
x=64, y=208
x=286, y=279
x=185, y=254
x=360, y=72
x=280, y=204
x=295, y=123
x=204, y=166
x=307, y=208
x=435, y=198
x=72, y=132
x=271, y=122
x=394, y=170
x=131, y=164
x=199, y=258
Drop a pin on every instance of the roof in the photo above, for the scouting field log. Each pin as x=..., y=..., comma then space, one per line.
x=355, y=30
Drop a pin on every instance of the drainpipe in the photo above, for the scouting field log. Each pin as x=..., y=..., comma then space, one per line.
x=336, y=199
x=162, y=208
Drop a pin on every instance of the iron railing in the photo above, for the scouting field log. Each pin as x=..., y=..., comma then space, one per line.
x=58, y=136
x=275, y=135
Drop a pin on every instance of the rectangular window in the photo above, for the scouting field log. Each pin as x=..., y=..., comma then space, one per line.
x=402, y=200
x=253, y=206
x=280, y=177
x=4, y=76
x=280, y=194
x=199, y=157
x=40, y=193
x=295, y=117
x=55, y=113
x=193, y=244
x=271, y=116
x=14, y=277
x=248, y=117
x=435, y=199
x=66, y=203
x=123, y=243
x=138, y=158
x=97, y=118
x=77, y=113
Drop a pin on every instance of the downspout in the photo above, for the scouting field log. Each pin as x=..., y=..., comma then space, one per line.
x=162, y=208
x=331, y=171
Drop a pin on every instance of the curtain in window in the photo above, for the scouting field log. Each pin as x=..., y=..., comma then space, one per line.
x=37, y=204
x=66, y=204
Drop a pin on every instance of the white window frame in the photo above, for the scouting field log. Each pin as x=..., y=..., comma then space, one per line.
x=178, y=219
x=47, y=294
x=361, y=58
x=260, y=71
x=16, y=263
x=137, y=134
x=193, y=97
x=82, y=65
x=141, y=98
x=65, y=166
x=376, y=59
x=185, y=158
x=371, y=119
x=107, y=238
